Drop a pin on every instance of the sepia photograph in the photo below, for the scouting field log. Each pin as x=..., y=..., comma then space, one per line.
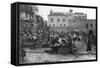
x=50, y=33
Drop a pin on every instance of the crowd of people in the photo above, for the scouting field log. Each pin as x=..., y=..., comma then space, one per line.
x=61, y=39
x=68, y=39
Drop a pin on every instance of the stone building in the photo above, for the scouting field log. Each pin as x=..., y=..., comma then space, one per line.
x=26, y=18
x=70, y=21
x=89, y=24
x=29, y=20
x=58, y=19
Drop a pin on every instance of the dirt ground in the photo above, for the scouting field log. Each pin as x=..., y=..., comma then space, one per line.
x=38, y=55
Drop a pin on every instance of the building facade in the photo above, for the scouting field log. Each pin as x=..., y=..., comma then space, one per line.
x=29, y=21
x=58, y=19
x=70, y=21
x=89, y=24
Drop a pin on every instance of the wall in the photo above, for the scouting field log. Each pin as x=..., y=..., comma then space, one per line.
x=55, y=20
x=89, y=22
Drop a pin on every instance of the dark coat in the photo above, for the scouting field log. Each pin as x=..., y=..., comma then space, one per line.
x=53, y=41
x=89, y=43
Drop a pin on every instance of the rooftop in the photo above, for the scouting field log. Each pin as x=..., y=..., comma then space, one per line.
x=79, y=13
x=65, y=13
x=57, y=14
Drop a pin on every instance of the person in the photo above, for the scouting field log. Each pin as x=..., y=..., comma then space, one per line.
x=54, y=42
x=70, y=42
x=74, y=38
x=89, y=41
x=60, y=40
x=64, y=42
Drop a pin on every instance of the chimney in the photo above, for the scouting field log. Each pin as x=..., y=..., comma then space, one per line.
x=70, y=11
x=51, y=11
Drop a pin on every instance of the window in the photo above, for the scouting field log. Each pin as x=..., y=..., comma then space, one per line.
x=64, y=24
x=60, y=24
x=51, y=20
x=53, y=24
x=86, y=25
x=64, y=20
x=49, y=24
x=73, y=21
x=58, y=20
x=75, y=17
x=91, y=25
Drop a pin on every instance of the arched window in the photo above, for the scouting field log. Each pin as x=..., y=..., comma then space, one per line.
x=58, y=20
x=51, y=20
x=64, y=24
x=64, y=20
x=87, y=26
x=91, y=25
x=53, y=24
x=60, y=24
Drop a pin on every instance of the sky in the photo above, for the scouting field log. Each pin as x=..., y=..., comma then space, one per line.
x=44, y=11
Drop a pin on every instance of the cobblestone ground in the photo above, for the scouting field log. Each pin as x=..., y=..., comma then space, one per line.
x=38, y=55
x=44, y=57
